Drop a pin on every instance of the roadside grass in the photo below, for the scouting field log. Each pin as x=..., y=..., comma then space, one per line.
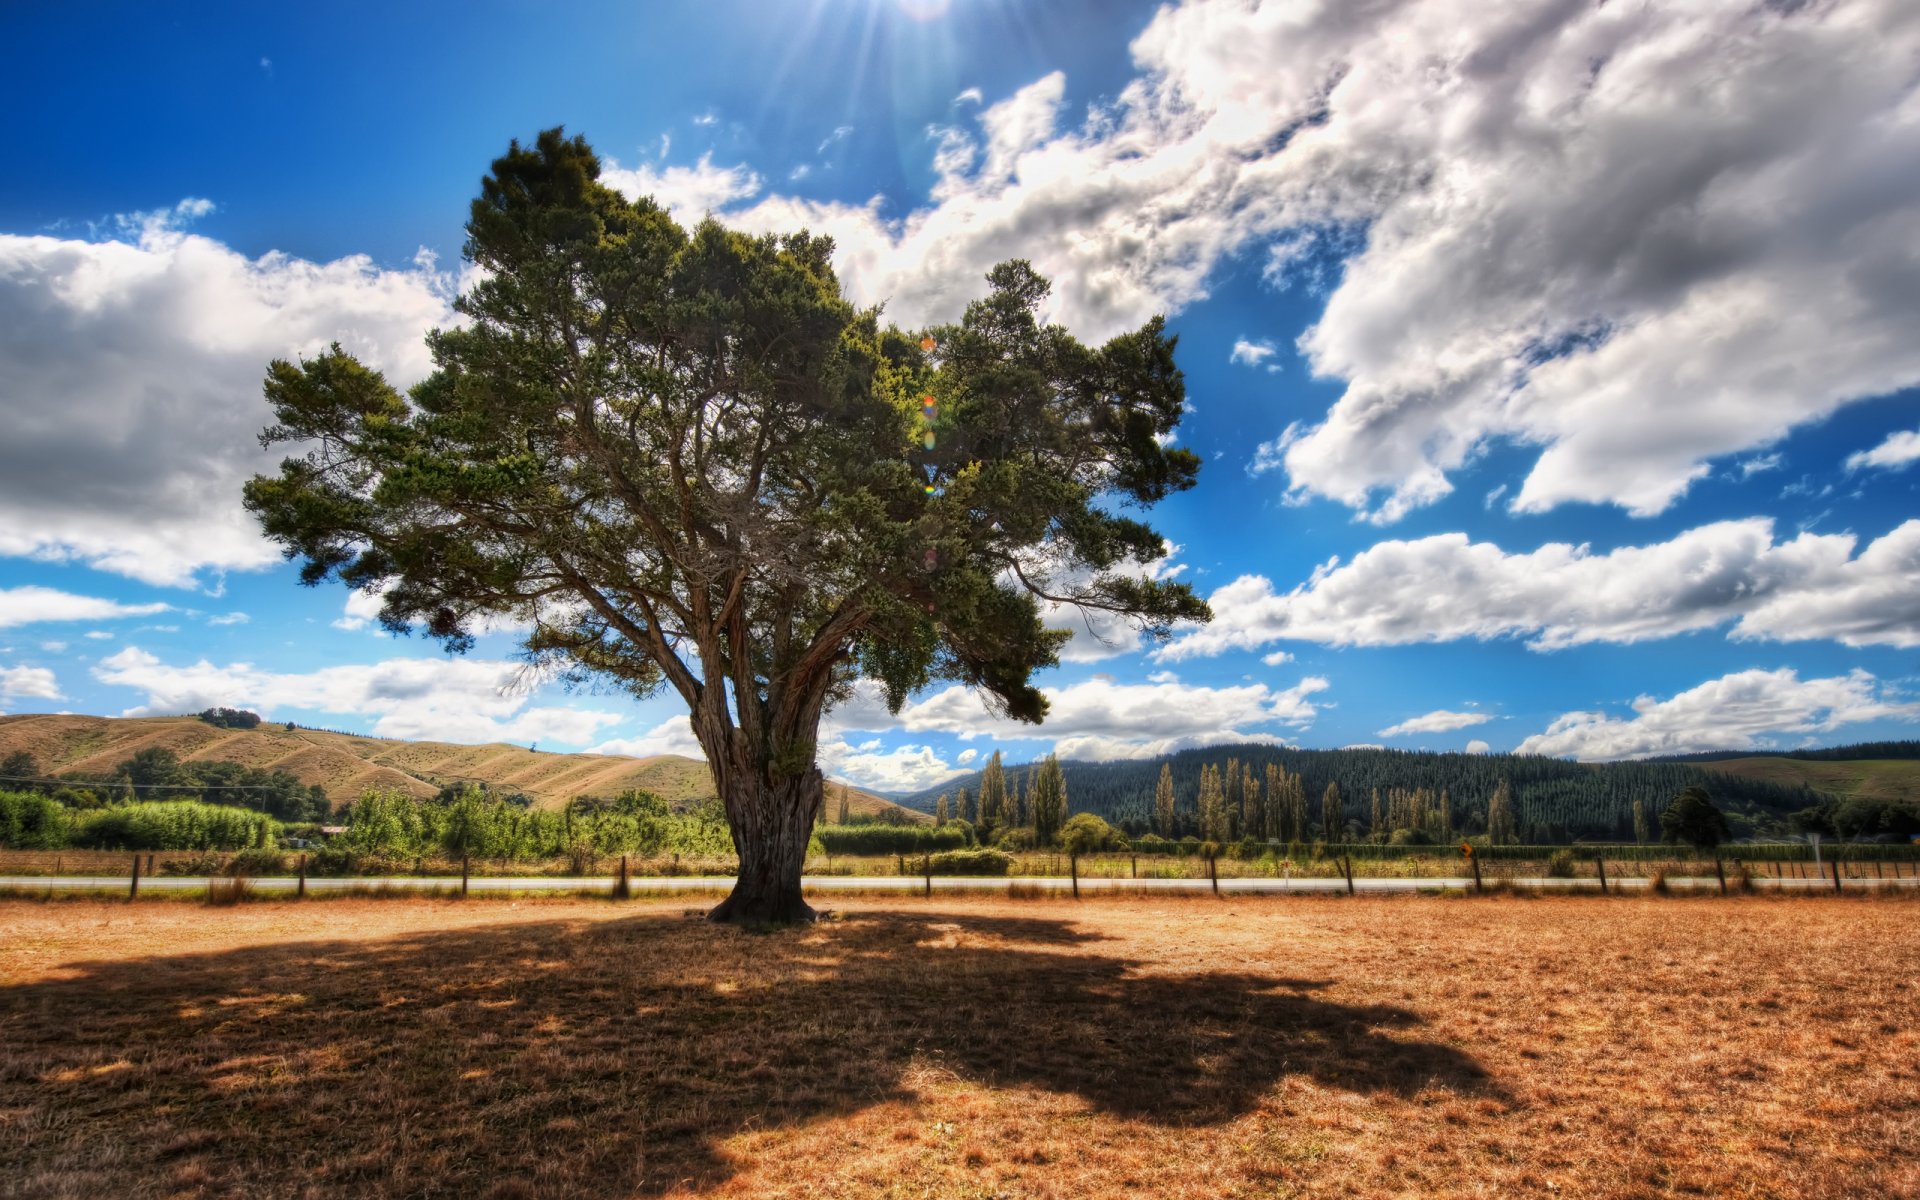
x=962, y=1047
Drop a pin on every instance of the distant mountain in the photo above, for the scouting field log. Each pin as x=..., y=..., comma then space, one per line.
x=1850, y=753
x=348, y=764
x=1555, y=800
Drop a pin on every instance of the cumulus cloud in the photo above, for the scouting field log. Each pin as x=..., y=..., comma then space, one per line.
x=19, y=683
x=1730, y=713
x=1438, y=721
x=132, y=373
x=31, y=605
x=1446, y=587
x=901, y=769
x=1100, y=718
x=1895, y=454
x=457, y=700
x=672, y=736
x=1253, y=354
x=688, y=193
x=1476, y=746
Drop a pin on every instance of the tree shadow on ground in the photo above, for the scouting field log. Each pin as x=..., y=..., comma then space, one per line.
x=568, y=1057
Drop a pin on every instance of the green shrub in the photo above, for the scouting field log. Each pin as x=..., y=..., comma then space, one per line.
x=972, y=862
x=1560, y=864
x=173, y=825
x=892, y=839
x=30, y=821
x=1085, y=833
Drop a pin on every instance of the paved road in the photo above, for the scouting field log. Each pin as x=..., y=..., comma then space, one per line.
x=819, y=884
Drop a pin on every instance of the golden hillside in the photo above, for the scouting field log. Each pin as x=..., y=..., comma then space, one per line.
x=346, y=765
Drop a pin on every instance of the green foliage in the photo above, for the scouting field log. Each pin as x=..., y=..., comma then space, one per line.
x=1560, y=864
x=231, y=718
x=172, y=825
x=972, y=862
x=893, y=839
x=1693, y=819
x=1877, y=817
x=476, y=823
x=1048, y=802
x=31, y=821
x=1085, y=833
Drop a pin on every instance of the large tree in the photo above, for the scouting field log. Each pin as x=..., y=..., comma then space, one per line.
x=684, y=460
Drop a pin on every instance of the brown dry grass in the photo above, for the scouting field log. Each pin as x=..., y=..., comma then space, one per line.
x=1250, y=1047
x=347, y=766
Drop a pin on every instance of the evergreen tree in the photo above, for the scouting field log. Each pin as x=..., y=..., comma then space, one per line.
x=1333, y=814
x=1693, y=819
x=940, y=814
x=1272, y=799
x=993, y=798
x=1048, y=800
x=1642, y=832
x=1163, y=801
x=1250, y=822
x=964, y=808
x=844, y=806
x=1018, y=796
x=1377, y=825
x=1500, y=823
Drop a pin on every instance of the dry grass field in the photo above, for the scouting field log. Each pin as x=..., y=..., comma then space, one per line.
x=1132, y=1047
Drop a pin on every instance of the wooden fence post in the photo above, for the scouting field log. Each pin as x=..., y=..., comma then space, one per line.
x=300, y=892
x=1213, y=874
x=1601, y=864
x=1836, y=872
x=465, y=865
x=1720, y=869
x=133, y=889
x=1346, y=865
x=927, y=862
x=1135, y=860
x=1073, y=865
x=624, y=889
x=1477, y=885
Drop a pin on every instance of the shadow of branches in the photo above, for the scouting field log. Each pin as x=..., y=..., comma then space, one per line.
x=569, y=1057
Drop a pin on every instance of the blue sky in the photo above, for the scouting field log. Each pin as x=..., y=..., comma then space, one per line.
x=1553, y=366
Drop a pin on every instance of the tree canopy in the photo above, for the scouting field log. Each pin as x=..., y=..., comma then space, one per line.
x=684, y=459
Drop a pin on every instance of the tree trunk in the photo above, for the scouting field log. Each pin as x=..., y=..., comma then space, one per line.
x=771, y=821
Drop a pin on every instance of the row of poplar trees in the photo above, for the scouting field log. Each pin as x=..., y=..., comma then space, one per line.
x=1003, y=804
x=1234, y=804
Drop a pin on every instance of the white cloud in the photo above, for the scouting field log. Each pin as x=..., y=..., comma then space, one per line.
x=1895, y=454
x=99, y=635
x=706, y=119
x=1099, y=718
x=1446, y=587
x=1729, y=713
x=1253, y=354
x=902, y=769
x=1476, y=746
x=672, y=736
x=1438, y=721
x=19, y=683
x=971, y=95
x=361, y=610
x=688, y=193
x=53, y=647
x=1277, y=658
x=966, y=756
x=132, y=372
x=31, y=605
x=458, y=700
x=232, y=618
x=1749, y=467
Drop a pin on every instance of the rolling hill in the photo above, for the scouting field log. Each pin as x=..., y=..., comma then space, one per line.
x=346, y=765
x=1868, y=778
